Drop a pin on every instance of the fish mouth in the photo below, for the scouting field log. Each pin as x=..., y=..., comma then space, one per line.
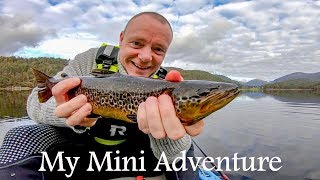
x=140, y=67
x=216, y=101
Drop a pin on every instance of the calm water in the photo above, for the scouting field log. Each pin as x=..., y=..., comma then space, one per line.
x=13, y=103
x=286, y=125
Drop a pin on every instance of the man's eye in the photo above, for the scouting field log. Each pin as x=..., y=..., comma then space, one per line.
x=136, y=44
x=159, y=50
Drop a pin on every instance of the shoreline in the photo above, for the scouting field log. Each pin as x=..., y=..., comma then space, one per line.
x=263, y=90
x=288, y=90
x=15, y=88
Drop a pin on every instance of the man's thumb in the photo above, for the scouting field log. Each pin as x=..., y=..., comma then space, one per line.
x=174, y=76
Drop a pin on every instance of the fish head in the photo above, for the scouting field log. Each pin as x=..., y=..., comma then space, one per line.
x=195, y=100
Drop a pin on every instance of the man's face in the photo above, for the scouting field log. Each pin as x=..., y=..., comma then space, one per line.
x=143, y=45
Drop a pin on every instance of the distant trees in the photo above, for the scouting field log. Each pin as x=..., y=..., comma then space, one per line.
x=294, y=84
x=16, y=71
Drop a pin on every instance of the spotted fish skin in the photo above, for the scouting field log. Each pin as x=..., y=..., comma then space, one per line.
x=118, y=96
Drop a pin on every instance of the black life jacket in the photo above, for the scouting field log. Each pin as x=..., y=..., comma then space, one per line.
x=111, y=134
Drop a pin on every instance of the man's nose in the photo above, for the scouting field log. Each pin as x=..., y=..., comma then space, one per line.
x=145, y=54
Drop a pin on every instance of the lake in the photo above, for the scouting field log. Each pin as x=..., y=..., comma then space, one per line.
x=282, y=124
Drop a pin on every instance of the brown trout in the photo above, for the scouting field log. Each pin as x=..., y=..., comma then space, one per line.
x=118, y=96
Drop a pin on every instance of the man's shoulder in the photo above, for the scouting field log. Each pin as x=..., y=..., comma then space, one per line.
x=91, y=50
x=95, y=50
x=90, y=53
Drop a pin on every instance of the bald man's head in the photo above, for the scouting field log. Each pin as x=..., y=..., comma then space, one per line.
x=153, y=15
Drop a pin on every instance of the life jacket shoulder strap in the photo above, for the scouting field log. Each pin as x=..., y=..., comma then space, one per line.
x=162, y=72
x=106, y=58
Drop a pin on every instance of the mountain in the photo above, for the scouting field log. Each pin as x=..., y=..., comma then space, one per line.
x=226, y=79
x=255, y=83
x=295, y=84
x=299, y=75
x=198, y=75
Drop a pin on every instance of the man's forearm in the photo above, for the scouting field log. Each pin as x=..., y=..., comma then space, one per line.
x=43, y=112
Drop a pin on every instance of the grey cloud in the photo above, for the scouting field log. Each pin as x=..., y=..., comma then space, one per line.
x=18, y=32
x=257, y=39
x=216, y=29
x=189, y=6
x=200, y=43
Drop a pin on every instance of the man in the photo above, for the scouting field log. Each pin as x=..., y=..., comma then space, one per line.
x=143, y=46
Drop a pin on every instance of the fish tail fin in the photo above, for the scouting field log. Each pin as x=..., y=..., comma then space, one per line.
x=44, y=84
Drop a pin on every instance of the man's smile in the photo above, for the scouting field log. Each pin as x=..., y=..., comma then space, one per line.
x=140, y=67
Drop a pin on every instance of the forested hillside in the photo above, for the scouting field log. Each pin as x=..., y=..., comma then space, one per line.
x=198, y=74
x=16, y=71
x=295, y=84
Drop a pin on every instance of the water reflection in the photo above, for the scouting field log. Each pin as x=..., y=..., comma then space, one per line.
x=13, y=103
x=268, y=125
x=296, y=96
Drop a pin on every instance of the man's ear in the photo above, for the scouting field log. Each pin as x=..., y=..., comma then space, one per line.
x=121, y=37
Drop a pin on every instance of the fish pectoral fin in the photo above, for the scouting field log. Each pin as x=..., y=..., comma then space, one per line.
x=132, y=117
x=93, y=116
x=91, y=119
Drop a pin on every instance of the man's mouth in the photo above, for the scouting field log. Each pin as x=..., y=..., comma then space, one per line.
x=140, y=67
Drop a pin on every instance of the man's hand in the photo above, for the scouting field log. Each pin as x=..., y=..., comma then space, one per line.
x=76, y=109
x=158, y=117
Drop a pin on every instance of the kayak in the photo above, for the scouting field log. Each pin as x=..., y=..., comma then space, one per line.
x=203, y=174
x=207, y=175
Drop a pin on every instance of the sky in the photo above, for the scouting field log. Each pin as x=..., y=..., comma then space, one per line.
x=240, y=39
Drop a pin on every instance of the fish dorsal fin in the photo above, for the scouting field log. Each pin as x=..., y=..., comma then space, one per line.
x=98, y=75
x=101, y=73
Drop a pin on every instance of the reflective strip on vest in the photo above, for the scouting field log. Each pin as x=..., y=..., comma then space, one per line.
x=107, y=51
x=99, y=66
x=108, y=142
x=114, y=68
x=155, y=76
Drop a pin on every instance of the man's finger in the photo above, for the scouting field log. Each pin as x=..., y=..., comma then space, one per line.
x=142, y=118
x=195, y=129
x=154, y=118
x=171, y=123
x=79, y=115
x=67, y=108
x=60, y=90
